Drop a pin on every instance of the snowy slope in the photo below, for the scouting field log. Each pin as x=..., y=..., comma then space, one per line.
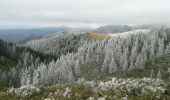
x=124, y=34
x=113, y=29
x=58, y=44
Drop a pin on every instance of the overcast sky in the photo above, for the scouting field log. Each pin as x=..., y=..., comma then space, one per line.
x=82, y=13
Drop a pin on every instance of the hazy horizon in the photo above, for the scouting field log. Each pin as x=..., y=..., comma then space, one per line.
x=87, y=13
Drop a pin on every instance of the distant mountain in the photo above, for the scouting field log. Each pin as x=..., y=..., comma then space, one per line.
x=21, y=35
x=29, y=38
x=18, y=27
x=124, y=28
x=16, y=35
x=113, y=29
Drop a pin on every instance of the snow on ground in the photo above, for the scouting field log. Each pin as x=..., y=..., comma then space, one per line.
x=131, y=85
x=124, y=34
x=23, y=91
x=124, y=86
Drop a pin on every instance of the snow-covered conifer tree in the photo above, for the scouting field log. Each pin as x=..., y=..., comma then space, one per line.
x=77, y=67
x=158, y=75
x=113, y=67
x=19, y=65
x=160, y=48
x=37, y=62
x=151, y=74
x=88, y=55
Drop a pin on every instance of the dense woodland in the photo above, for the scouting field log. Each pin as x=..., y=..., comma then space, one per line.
x=68, y=57
x=13, y=58
x=63, y=57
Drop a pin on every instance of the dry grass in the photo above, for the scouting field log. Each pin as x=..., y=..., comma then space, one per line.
x=97, y=37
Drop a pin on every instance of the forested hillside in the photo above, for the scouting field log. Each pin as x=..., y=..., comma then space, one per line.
x=59, y=44
x=14, y=58
x=67, y=58
x=106, y=57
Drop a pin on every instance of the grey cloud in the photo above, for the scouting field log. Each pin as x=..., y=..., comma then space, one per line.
x=83, y=12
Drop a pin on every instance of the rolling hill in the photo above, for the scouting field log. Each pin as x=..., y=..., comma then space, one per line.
x=82, y=65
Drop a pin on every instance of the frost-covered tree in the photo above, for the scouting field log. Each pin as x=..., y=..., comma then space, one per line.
x=104, y=67
x=160, y=48
x=26, y=63
x=125, y=53
x=125, y=64
x=88, y=55
x=151, y=74
x=77, y=67
x=152, y=49
x=37, y=61
x=158, y=75
x=167, y=50
x=27, y=59
x=36, y=77
x=31, y=60
x=19, y=65
x=131, y=67
x=113, y=67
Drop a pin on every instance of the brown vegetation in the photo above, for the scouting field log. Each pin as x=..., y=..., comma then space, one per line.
x=97, y=37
